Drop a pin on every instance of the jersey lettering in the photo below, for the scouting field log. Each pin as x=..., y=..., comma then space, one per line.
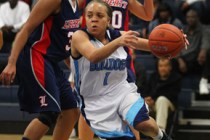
x=109, y=64
x=106, y=78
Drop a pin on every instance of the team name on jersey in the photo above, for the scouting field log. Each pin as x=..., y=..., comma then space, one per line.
x=109, y=64
x=117, y=3
x=71, y=24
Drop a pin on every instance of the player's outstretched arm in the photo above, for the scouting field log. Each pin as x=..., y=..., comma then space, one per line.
x=140, y=44
x=38, y=15
x=145, y=12
x=81, y=45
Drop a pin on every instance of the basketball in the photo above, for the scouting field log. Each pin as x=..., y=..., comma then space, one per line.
x=166, y=40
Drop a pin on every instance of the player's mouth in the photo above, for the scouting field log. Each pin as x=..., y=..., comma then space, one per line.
x=94, y=26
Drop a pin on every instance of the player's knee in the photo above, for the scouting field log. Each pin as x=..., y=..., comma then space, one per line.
x=147, y=126
x=48, y=118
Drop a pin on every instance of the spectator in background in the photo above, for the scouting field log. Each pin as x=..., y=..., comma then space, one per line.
x=164, y=14
x=185, y=5
x=194, y=59
x=13, y=14
x=162, y=91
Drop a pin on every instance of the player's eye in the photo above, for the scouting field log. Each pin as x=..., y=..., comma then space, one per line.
x=100, y=15
x=89, y=15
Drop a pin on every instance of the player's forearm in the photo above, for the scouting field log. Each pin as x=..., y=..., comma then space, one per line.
x=104, y=52
x=18, y=45
x=143, y=44
x=149, y=9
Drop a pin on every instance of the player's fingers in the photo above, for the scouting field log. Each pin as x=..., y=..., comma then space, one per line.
x=133, y=33
x=2, y=77
x=12, y=78
x=7, y=79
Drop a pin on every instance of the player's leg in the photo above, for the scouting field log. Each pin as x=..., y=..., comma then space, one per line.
x=69, y=106
x=85, y=132
x=147, y=125
x=65, y=124
x=40, y=125
x=35, y=130
x=135, y=112
x=33, y=96
x=135, y=132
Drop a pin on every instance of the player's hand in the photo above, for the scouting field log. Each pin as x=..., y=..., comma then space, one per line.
x=8, y=75
x=129, y=38
x=185, y=39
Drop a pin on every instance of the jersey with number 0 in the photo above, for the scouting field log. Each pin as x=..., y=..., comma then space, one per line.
x=51, y=38
x=106, y=77
x=120, y=16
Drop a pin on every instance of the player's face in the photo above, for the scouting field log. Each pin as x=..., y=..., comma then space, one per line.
x=97, y=19
x=164, y=67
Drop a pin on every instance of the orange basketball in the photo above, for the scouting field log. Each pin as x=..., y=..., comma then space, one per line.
x=166, y=40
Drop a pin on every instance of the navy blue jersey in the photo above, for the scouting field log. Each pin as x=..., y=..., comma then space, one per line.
x=51, y=38
x=43, y=85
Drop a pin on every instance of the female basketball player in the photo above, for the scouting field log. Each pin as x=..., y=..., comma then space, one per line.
x=120, y=21
x=100, y=63
x=43, y=41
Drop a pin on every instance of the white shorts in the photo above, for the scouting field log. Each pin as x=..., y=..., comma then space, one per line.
x=107, y=115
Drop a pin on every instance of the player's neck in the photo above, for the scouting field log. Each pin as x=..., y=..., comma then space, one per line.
x=102, y=39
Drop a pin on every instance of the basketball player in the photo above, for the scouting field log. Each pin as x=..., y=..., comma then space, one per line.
x=40, y=45
x=120, y=21
x=108, y=100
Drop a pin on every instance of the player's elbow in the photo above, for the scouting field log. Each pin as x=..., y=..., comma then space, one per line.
x=149, y=18
x=94, y=59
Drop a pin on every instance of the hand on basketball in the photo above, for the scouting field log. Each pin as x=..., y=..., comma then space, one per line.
x=185, y=39
x=129, y=38
x=8, y=75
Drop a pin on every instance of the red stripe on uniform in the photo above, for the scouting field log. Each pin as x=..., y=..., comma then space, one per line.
x=83, y=25
x=39, y=49
x=131, y=63
x=126, y=21
x=126, y=28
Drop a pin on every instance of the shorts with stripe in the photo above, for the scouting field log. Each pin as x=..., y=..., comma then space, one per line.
x=43, y=85
x=109, y=115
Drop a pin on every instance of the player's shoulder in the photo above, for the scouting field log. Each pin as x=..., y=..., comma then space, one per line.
x=4, y=4
x=79, y=34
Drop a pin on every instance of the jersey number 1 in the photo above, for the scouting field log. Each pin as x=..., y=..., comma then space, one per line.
x=106, y=78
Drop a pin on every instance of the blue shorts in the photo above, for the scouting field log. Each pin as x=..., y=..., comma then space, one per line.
x=43, y=85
